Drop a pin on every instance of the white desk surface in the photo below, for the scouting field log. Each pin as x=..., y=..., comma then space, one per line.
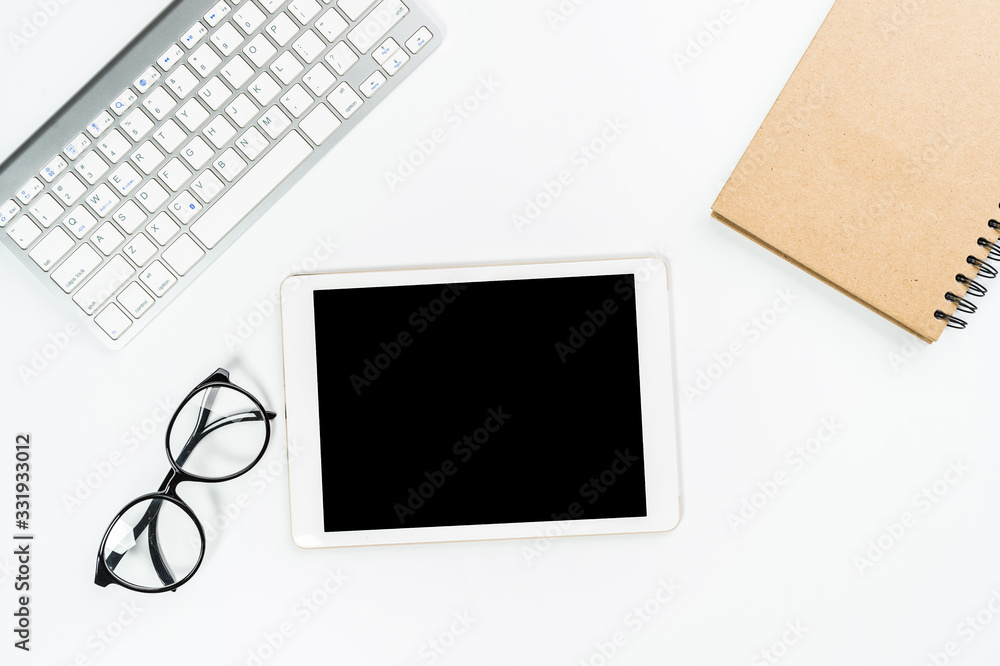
x=904, y=413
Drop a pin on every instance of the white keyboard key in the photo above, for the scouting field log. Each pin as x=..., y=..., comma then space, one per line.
x=242, y=110
x=185, y=207
x=113, y=321
x=296, y=100
x=319, y=79
x=102, y=200
x=114, y=146
x=215, y=93
x=76, y=268
x=140, y=249
x=260, y=50
x=396, y=61
x=69, y=189
x=183, y=255
x=151, y=196
x=194, y=35
x=249, y=18
x=92, y=167
x=159, y=102
x=130, y=217
x=197, y=153
x=230, y=165
x=170, y=57
x=319, y=124
x=237, y=72
x=137, y=125
x=30, y=190
x=107, y=239
x=175, y=174
x=147, y=157
x=76, y=147
x=252, y=143
x=162, y=228
x=55, y=167
x=374, y=27
x=80, y=221
x=354, y=8
x=7, y=212
x=331, y=25
x=309, y=46
x=419, y=38
x=251, y=189
x=207, y=186
x=345, y=100
x=274, y=122
x=123, y=102
x=24, y=232
x=282, y=29
x=303, y=10
x=124, y=179
x=287, y=67
x=102, y=122
x=182, y=81
x=341, y=58
x=219, y=131
x=204, y=60
x=272, y=5
x=217, y=13
x=146, y=80
x=169, y=136
x=158, y=278
x=373, y=84
x=227, y=39
x=264, y=89
x=382, y=53
x=52, y=248
x=46, y=210
x=135, y=300
x=193, y=114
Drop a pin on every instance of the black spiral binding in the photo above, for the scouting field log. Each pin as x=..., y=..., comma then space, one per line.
x=973, y=288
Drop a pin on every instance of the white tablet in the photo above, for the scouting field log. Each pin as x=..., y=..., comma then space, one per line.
x=490, y=402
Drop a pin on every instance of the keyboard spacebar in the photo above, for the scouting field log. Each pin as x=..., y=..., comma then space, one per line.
x=224, y=214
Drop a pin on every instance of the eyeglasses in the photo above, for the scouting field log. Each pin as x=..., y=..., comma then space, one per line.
x=156, y=543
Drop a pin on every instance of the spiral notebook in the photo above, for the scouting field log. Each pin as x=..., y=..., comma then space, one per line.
x=878, y=168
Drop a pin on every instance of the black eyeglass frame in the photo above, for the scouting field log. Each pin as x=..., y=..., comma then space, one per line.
x=167, y=492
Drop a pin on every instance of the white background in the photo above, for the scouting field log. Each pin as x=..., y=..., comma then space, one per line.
x=905, y=411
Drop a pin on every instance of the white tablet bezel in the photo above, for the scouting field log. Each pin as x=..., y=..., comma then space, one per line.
x=657, y=398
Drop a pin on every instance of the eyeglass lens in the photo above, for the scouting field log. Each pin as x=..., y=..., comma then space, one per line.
x=153, y=544
x=218, y=432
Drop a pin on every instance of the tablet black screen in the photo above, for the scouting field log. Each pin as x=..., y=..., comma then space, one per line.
x=479, y=403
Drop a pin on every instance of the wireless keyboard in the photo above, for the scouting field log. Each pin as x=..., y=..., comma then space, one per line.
x=180, y=143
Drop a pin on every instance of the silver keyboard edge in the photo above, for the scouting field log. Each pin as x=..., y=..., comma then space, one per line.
x=37, y=150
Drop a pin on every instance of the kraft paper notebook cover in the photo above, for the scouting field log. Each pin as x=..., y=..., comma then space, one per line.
x=878, y=168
